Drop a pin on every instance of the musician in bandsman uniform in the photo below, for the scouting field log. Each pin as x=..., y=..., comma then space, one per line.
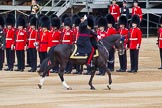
x=135, y=39
x=159, y=41
x=114, y=10
x=31, y=44
x=44, y=37
x=125, y=9
x=123, y=31
x=136, y=10
x=10, y=39
x=110, y=31
x=2, y=41
x=20, y=43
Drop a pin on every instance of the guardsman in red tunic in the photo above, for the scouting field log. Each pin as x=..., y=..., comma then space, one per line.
x=110, y=31
x=136, y=10
x=123, y=31
x=114, y=10
x=44, y=37
x=102, y=26
x=68, y=33
x=20, y=43
x=134, y=43
x=55, y=38
x=160, y=41
x=2, y=41
x=10, y=31
x=68, y=39
x=31, y=44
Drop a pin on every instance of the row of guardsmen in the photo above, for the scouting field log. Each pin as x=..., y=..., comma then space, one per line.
x=52, y=32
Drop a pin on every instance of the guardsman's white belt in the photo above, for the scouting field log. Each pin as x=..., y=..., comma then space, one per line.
x=8, y=38
x=19, y=40
x=133, y=38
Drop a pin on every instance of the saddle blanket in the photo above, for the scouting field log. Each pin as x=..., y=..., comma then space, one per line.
x=77, y=55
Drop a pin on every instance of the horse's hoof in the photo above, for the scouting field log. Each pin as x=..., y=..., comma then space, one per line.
x=69, y=88
x=92, y=88
x=39, y=86
x=109, y=87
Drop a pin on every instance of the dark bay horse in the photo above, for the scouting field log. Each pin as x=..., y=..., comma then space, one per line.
x=61, y=55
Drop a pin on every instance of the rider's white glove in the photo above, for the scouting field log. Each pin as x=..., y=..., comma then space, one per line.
x=85, y=17
x=99, y=37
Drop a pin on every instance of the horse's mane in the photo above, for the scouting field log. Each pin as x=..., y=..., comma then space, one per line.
x=112, y=38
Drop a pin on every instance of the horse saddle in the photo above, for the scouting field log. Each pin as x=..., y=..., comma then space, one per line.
x=77, y=55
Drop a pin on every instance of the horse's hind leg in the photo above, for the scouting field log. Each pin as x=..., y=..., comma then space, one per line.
x=91, y=79
x=110, y=79
x=61, y=75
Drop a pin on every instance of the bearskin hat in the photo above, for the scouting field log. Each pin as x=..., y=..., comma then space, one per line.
x=21, y=21
x=10, y=20
x=123, y=20
x=33, y=21
x=53, y=16
x=90, y=20
x=110, y=19
x=45, y=22
x=135, y=1
x=67, y=22
x=96, y=20
x=2, y=22
x=55, y=22
x=39, y=17
x=102, y=22
x=77, y=21
x=73, y=18
x=81, y=15
x=63, y=17
x=136, y=20
x=30, y=16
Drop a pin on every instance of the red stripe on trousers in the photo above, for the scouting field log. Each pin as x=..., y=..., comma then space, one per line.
x=91, y=56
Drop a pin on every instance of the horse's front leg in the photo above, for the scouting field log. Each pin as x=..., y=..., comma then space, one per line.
x=42, y=80
x=91, y=79
x=61, y=75
x=110, y=79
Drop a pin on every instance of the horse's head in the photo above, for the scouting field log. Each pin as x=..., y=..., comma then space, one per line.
x=119, y=45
